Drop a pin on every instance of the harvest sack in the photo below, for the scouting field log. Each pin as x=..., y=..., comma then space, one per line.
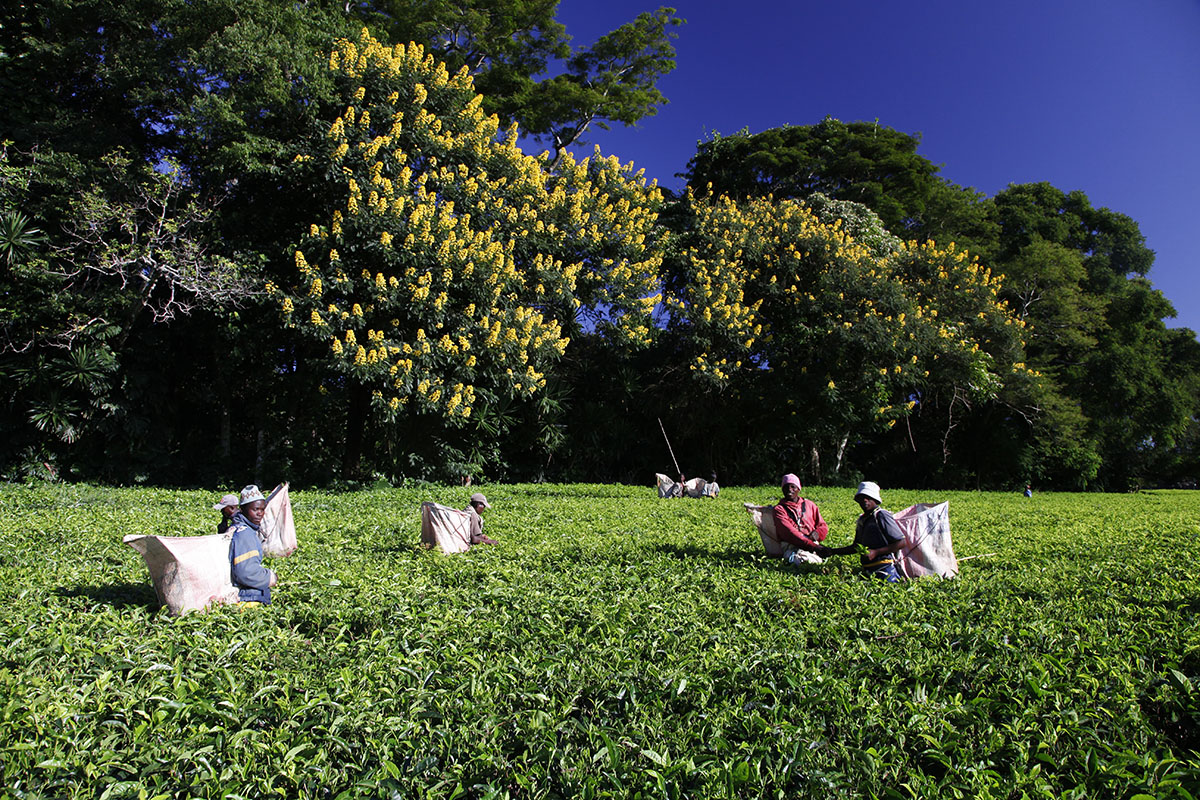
x=278, y=529
x=192, y=572
x=189, y=572
x=696, y=487
x=927, y=547
x=765, y=522
x=445, y=527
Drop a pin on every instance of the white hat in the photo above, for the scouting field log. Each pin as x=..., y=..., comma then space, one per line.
x=868, y=489
x=227, y=500
x=480, y=499
x=250, y=494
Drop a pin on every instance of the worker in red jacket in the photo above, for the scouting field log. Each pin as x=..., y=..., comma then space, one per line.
x=799, y=526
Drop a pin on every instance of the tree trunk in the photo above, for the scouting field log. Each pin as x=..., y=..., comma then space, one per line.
x=356, y=423
x=814, y=464
x=225, y=426
x=841, y=451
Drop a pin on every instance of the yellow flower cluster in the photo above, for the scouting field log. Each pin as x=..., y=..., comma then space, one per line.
x=767, y=284
x=468, y=250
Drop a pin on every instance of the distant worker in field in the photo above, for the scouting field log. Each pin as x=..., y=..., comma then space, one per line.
x=475, y=509
x=876, y=529
x=1028, y=490
x=228, y=507
x=698, y=487
x=252, y=579
x=799, y=526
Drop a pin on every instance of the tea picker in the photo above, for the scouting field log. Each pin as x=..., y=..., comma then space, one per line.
x=696, y=487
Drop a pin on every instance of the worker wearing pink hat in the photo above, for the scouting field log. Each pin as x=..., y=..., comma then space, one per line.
x=799, y=525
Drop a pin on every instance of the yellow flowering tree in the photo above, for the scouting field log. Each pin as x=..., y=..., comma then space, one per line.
x=832, y=334
x=452, y=268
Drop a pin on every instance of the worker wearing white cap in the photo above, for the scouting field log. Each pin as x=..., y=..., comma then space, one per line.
x=876, y=530
x=228, y=506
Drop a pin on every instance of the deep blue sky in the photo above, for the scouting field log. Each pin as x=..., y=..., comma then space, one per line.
x=1101, y=96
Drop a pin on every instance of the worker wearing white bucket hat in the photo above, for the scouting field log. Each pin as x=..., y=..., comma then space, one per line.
x=869, y=489
x=876, y=530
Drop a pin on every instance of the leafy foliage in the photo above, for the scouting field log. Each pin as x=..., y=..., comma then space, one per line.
x=526, y=68
x=1074, y=274
x=151, y=277
x=613, y=643
x=454, y=264
x=1097, y=329
x=863, y=162
x=847, y=337
x=613, y=80
x=18, y=237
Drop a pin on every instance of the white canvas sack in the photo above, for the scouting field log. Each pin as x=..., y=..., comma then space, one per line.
x=764, y=521
x=448, y=529
x=927, y=547
x=667, y=487
x=278, y=529
x=188, y=572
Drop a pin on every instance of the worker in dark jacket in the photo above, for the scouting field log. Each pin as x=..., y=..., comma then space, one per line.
x=252, y=579
x=799, y=526
x=228, y=507
x=877, y=531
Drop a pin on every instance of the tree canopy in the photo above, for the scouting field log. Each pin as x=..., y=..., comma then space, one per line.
x=451, y=270
x=863, y=162
x=242, y=239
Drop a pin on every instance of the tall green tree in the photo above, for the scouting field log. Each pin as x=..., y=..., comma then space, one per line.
x=529, y=73
x=838, y=338
x=863, y=162
x=450, y=273
x=227, y=91
x=1097, y=328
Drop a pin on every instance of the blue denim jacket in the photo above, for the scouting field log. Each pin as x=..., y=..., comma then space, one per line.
x=247, y=572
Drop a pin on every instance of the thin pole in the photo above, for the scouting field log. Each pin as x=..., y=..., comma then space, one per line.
x=672, y=452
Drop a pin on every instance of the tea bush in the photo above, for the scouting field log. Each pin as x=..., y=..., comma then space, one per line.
x=612, y=645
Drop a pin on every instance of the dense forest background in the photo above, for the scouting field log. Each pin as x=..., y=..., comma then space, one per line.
x=255, y=240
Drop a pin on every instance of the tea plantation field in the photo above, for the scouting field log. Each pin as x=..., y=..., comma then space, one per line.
x=612, y=645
